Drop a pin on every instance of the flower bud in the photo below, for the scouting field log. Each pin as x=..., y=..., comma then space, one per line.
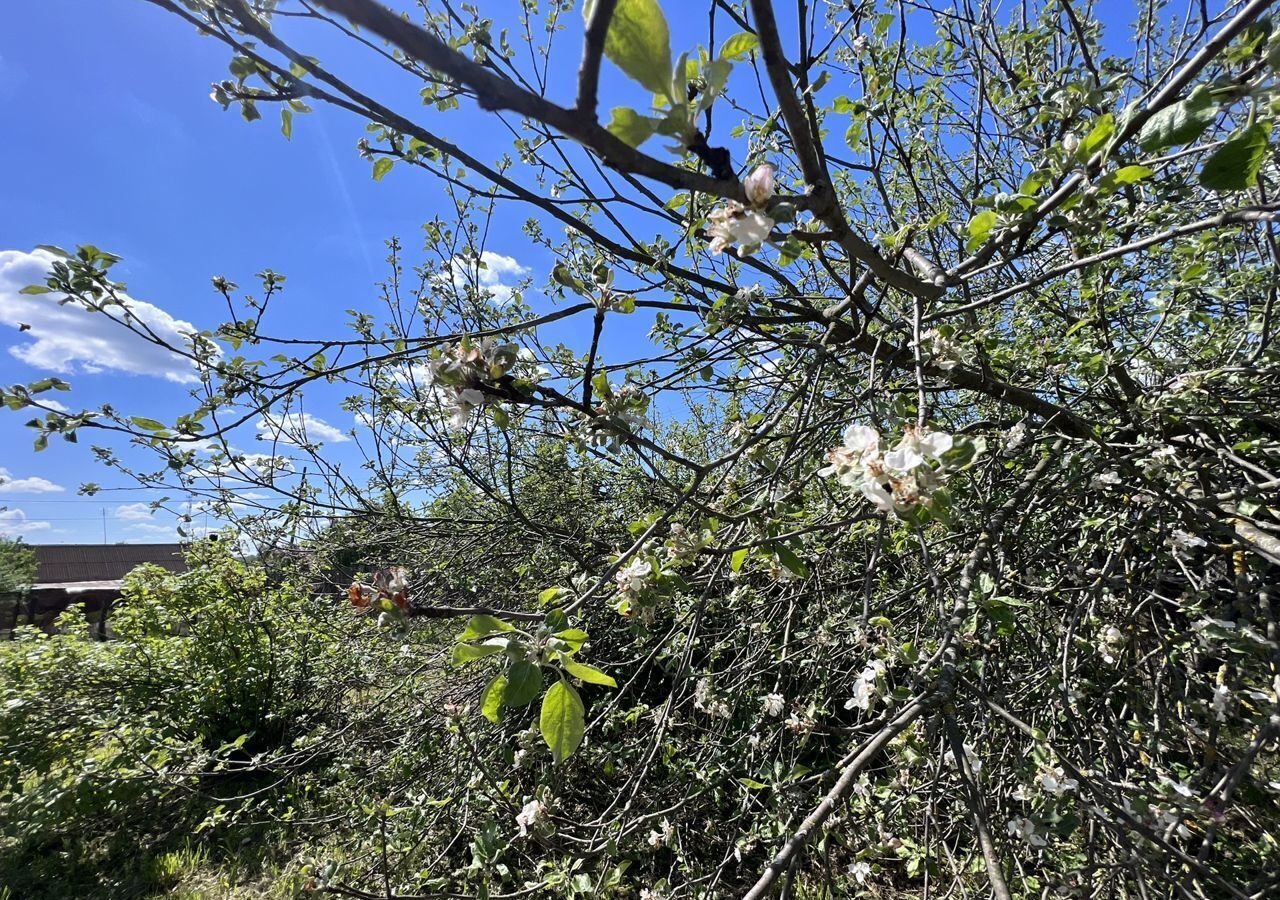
x=759, y=184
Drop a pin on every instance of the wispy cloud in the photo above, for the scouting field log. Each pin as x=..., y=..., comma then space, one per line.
x=134, y=512
x=298, y=429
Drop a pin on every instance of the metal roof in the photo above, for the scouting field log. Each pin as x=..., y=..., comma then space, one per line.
x=62, y=563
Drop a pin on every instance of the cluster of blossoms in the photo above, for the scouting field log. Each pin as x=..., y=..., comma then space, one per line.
x=683, y=545
x=663, y=836
x=774, y=705
x=633, y=578
x=943, y=352
x=1024, y=829
x=1057, y=782
x=532, y=816
x=800, y=723
x=460, y=371
x=900, y=481
x=1110, y=643
x=388, y=594
x=866, y=687
x=619, y=413
x=746, y=226
x=706, y=698
x=639, y=583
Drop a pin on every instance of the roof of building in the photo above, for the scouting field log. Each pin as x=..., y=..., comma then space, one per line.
x=62, y=563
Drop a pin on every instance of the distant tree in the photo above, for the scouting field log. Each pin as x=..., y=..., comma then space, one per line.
x=17, y=565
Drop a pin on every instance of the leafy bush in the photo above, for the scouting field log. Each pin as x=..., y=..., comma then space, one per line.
x=112, y=752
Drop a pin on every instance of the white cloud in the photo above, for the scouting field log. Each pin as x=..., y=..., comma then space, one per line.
x=133, y=512
x=147, y=531
x=489, y=271
x=298, y=429
x=69, y=339
x=33, y=485
x=14, y=523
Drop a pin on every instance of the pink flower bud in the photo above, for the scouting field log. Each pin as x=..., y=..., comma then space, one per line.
x=759, y=184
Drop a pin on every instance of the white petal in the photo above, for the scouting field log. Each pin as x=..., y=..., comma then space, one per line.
x=904, y=459
x=875, y=492
x=936, y=443
x=861, y=438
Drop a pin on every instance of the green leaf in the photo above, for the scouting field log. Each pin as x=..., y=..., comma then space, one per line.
x=382, y=166
x=1180, y=123
x=738, y=46
x=738, y=558
x=1235, y=165
x=482, y=625
x=630, y=127
x=1121, y=177
x=980, y=228
x=465, y=653
x=1131, y=174
x=147, y=424
x=36, y=289
x=1097, y=137
x=562, y=721
x=550, y=594
x=574, y=637
x=524, y=682
x=751, y=784
x=589, y=674
x=286, y=123
x=791, y=561
x=639, y=43
x=491, y=700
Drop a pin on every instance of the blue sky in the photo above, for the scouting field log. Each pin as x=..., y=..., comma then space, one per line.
x=112, y=140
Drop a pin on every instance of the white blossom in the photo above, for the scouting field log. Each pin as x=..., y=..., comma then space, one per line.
x=633, y=578
x=529, y=817
x=916, y=446
x=860, y=870
x=865, y=687
x=1183, y=540
x=663, y=836
x=945, y=352
x=975, y=763
x=1111, y=643
x=897, y=481
x=706, y=699
x=1055, y=781
x=1014, y=437
x=1025, y=830
x=735, y=224
x=773, y=705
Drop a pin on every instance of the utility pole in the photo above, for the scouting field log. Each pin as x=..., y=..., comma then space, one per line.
x=104, y=524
